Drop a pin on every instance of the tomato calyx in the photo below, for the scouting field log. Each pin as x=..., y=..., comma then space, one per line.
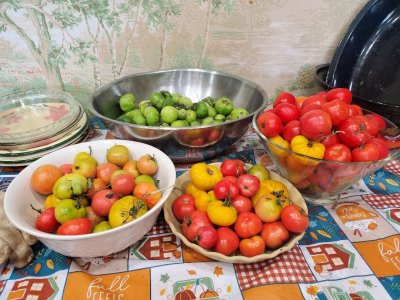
x=38, y=210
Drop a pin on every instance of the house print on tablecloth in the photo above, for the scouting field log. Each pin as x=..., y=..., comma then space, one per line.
x=394, y=215
x=34, y=288
x=157, y=247
x=336, y=293
x=331, y=257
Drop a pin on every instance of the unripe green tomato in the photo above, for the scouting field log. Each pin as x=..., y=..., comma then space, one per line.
x=102, y=226
x=180, y=123
x=69, y=209
x=127, y=102
x=190, y=116
x=169, y=114
x=224, y=106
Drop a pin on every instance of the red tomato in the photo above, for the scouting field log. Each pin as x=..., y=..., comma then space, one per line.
x=193, y=222
x=76, y=227
x=330, y=140
x=252, y=246
x=242, y=203
x=232, y=167
x=339, y=93
x=183, y=206
x=206, y=237
x=284, y=97
x=338, y=110
x=382, y=146
x=287, y=112
x=314, y=99
x=370, y=125
x=355, y=110
x=294, y=218
x=353, y=133
x=105, y=170
x=309, y=107
x=274, y=234
x=214, y=135
x=123, y=184
x=232, y=179
x=322, y=175
x=380, y=121
x=66, y=168
x=225, y=189
x=291, y=129
x=248, y=184
x=228, y=241
x=102, y=201
x=315, y=124
x=248, y=224
x=367, y=152
x=269, y=124
x=338, y=152
x=46, y=221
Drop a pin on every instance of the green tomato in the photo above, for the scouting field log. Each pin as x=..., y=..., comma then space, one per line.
x=69, y=185
x=152, y=119
x=220, y=117
x=157, y=99
x=163, y=124
x=186, y=102
x=176, y=97
x=102, y=226
x=201, y=110
x=224, y=106
x=69, y=209
x=195, y=123
x=190, y=116
x=211, y=112
x=150, y=110
x=146, y=178
x=127, y=102
x=124, y=118
x=238, y=113
x=169, y=114
x=182, y=114
x=180, y=123
x=218, y=121
x=143, y=104
x=209, y=100
x=168, y=101
x=207, y=121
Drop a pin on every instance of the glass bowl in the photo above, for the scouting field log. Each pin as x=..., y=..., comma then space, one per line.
x=322, y=181
x=31, y=116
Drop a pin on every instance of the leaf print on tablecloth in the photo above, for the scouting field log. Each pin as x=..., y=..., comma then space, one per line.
x=228, y=288
x=322, y=218
x=391, y=182
x=312, y=290
x=162, y=292
x=352, y=281
x=382, y=186
x=324, y=233
x=164, y=277
x=218, y=271
x=368, y=283
x=192, y=272
x=314, y=235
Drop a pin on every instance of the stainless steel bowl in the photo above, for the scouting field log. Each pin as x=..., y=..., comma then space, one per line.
x=185, y=144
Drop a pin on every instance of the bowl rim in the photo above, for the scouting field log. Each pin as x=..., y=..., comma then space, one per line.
x=392, y=156
x=56, y=237
x=102, y=88
x=290, y=244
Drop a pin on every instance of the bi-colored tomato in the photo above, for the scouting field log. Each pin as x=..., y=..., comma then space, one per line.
x=147, y=164
x=252, y=246
x=148, y=193
x=294, y=218
x=104, y=171
x=248, y=224
x=69, y=209
x=268, y=208
x=227, y=242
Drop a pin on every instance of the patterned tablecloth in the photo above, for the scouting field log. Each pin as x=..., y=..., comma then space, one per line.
x=351, y=250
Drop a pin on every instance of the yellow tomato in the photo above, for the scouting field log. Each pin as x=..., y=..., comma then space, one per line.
x=201, y=200
x=268, y=208
x=221, y=213
x=191, y=189
x=280, y=141
x=51, y=201
x=300, y=144
x=125, y=210
x=279, y=190
x=205, y=176
x=211, y=194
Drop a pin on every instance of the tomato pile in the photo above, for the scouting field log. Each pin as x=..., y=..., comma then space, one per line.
x=86, y=196
x=236, y=210
x=326, y=126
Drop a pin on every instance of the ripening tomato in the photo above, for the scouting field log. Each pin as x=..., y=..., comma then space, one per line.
x=95, y=185
x=147, y=192
x=69, y=209
x=269, y=124
x=343, y=94
x=294, y=218
x=207, y=237
x=66, y=168
x=118, y=155
x=47, y=221
x=247, y=225
x=382, y=146
x=291, y=129
x=131, y=168
x=227, y=242
x=147, y=164
x=102, y=201
x=287, y=112
x=338, y=152
x=44, y=178
x=104, y=171
x=315, y=125
x=284, y=97
x=367, y=152
x=267, y=207
x=274, y=234
x=76, y=227
x=183, y=206
x=252, y=246
x=338, y=111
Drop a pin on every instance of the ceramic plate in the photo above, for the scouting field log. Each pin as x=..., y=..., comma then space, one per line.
x=181, y=183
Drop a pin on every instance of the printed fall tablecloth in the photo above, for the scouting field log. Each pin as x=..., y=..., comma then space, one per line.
x=351, y=250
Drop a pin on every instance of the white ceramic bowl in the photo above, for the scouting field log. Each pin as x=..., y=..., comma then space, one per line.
x=19, y=196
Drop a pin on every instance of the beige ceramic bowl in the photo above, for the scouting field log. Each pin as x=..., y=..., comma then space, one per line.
x=183, y=180
x=19, y=196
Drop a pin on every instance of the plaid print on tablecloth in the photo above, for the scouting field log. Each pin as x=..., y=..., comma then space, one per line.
x=382, y=201
x=393, y=166
x=160, y=227
x=285, y=268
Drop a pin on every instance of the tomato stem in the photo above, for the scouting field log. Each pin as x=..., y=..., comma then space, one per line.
x=39, y=211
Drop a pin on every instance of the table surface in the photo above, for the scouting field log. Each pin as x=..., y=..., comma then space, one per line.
x=351, y=250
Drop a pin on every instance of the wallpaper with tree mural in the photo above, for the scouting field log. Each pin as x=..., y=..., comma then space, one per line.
x=79, y=45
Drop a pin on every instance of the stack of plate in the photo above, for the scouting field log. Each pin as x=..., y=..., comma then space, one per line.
x=38, y=122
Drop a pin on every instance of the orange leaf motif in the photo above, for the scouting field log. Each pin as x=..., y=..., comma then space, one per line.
x=313, y=235
x=191, y=272
x=162, y=292
x=312, y=290
x=218, y=271
x=322, y=218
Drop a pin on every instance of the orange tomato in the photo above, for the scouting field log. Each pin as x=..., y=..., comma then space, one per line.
x=105, y=170
x=147, y=192
x=147, y=164
x=44, y=177
x=95, y=185
x=131, y=168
